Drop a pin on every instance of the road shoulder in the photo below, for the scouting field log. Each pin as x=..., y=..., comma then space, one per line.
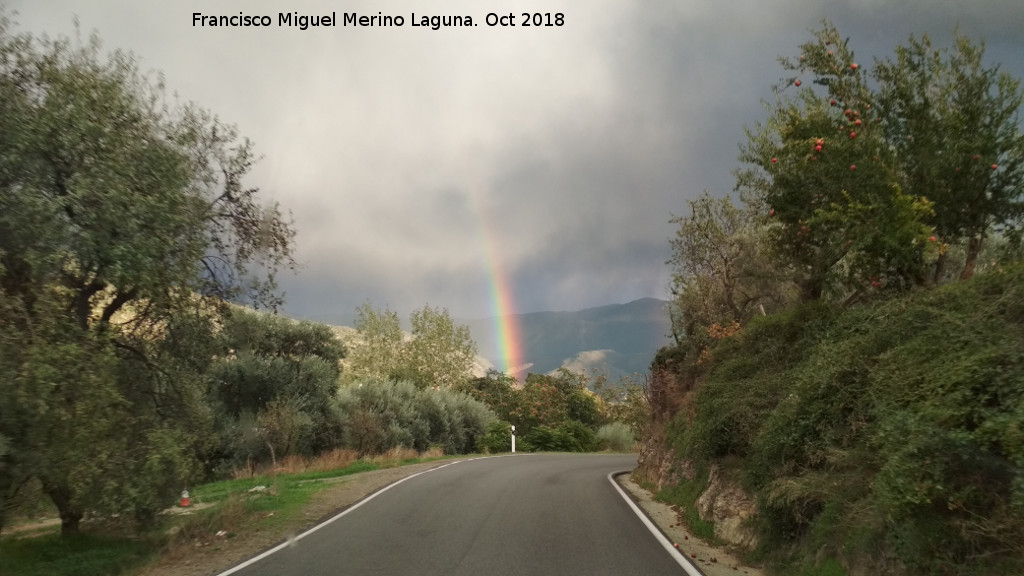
x=712, y=560
x=215, y=554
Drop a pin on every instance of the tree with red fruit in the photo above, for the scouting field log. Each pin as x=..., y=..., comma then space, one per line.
x=837, y=226
x=950, y=118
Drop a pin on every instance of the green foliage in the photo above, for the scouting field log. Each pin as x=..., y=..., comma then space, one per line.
x=869, y=187
x=950, y=119
x=377, y=415
x=721, y=269
x=499, y=391
x=886, y=433
x=625, y=403
x=439, y=353
x=273, y=385
x=544, y=439
x=123, y=223
x=874, y=424
x=81, y=555
x=562, y=411
x=497, y=439
x=684, y=495
x=616, y=436
x=824, y=169
x=380, y=354
x=570, y=436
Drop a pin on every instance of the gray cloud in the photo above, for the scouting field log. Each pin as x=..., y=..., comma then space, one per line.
x=403, y=152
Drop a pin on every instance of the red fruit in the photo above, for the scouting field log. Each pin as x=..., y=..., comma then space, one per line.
x=994, y=166
x=848, y=112
x=692, y=555
x=772, y=213
x=820, y=141
x=931, y=238
x=854, y=66
x=852, y=134
x=797, y=83
x=817, y=148
x=676, y=544
x=833, y=102
x=829, y=52
x=774, y=160
x=857, y=122
x=853, y=167
x=976, y=157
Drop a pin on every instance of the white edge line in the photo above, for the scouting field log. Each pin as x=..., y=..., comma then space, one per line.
x=288, y=542
x=683, y=561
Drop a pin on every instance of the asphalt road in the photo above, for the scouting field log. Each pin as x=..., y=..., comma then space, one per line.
x=528, y=514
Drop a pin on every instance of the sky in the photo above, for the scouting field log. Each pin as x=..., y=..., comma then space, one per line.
x=493, y=170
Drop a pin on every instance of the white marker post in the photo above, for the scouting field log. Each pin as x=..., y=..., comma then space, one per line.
x=513, y=438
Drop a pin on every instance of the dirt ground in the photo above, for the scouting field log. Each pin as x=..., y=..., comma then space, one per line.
x=712, y=560
x=216, y=554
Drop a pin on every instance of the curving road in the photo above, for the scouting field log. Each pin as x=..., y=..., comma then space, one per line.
x=524, y=514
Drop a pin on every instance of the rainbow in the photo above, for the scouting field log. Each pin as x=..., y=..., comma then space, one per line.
x=506, y=326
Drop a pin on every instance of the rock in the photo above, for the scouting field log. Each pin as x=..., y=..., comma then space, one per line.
x=726, y=505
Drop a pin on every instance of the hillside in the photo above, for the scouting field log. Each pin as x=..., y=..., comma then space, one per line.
x=886, y=438
x=617, y=339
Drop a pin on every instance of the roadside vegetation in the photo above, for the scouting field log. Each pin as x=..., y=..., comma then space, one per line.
x=848, y=337
x=271, y=501
x=141, y=353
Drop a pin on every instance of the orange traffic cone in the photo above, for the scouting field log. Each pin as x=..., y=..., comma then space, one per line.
x=185, y=501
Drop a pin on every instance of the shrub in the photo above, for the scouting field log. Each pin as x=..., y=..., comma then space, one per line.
x=571, y=436
x=378, y=415
x=617, y=437
x=497, y=439
x=889, y=432
x=545, y=439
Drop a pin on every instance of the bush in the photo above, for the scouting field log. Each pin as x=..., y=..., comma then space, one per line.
x=890, y=430
x=378, y=415
x=497, y=439
x=617, y=437
x=571, y=436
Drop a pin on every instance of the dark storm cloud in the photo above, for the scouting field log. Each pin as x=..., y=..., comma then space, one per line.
x=416, y=163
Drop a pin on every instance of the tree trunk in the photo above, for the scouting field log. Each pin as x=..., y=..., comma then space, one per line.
x=70, y=513
x=973, y=250
x=940, y=268
x=811, y=288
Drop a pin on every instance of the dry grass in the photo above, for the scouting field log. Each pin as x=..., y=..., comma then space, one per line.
x=333, y=460
x=199, y=529
x=401, y=454
x=396, y=454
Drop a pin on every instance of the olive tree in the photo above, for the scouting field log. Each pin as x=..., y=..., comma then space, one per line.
x=124, y=224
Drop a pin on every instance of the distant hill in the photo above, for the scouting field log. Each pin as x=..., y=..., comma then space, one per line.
x=618, y=339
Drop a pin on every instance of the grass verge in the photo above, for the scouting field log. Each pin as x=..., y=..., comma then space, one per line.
x=232, y=505
x=82, y=555
x=684, y=496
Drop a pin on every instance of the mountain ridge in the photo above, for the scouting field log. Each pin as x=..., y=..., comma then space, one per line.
x=613, y=339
